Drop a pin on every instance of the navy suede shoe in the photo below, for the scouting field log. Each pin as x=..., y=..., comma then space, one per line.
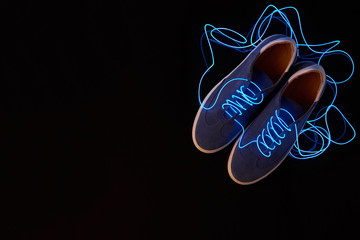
x=267, y=141
x=229, y=106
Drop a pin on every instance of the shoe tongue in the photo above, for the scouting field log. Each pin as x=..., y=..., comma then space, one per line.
x=295, y=109
x=261, y=79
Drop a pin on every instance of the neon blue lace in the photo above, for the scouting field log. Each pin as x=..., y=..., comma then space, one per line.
x=316, y=130
x=273, y=134
x=246, y=96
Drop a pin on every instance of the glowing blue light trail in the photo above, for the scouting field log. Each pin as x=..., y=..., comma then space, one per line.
x=319, y=135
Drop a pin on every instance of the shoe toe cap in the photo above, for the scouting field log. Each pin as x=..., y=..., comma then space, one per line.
x=210, y=140
x=242, y=166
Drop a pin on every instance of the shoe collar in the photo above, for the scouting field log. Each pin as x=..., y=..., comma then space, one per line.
x=299, y=70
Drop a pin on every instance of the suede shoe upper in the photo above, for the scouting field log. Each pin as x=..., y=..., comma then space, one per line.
x=269, y=138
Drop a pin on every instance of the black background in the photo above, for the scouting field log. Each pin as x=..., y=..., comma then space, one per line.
x=97, y=105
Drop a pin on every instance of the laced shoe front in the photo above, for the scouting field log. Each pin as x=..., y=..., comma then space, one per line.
x=233, y=102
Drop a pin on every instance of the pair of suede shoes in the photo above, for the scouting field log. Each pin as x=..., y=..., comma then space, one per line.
x=262, y=105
